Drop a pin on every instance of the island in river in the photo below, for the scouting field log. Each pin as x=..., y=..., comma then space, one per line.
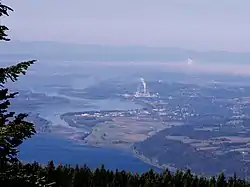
x=196, y=127
x=200, y=127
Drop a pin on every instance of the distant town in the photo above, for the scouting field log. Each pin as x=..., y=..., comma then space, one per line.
x=175, y=124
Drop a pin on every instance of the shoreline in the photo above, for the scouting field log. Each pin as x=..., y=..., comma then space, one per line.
x=129, y=151
x=149, y=161
x=121, y=148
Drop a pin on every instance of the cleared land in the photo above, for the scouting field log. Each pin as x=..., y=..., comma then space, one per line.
x=122, y=132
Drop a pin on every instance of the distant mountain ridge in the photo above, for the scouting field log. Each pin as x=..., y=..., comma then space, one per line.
x=116, y=53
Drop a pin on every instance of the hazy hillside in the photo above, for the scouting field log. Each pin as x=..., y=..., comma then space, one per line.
x=115, y=53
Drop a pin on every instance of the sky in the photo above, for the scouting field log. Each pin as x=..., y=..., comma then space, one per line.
x=192, y=24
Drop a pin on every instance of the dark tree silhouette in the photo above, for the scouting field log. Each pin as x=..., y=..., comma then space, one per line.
x=13, y=127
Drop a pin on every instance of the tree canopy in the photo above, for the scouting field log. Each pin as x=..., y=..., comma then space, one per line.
x=13, y=127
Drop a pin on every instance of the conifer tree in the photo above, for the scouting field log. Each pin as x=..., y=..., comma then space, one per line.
x=13, y=127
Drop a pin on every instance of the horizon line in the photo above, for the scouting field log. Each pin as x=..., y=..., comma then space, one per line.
x=123, y=46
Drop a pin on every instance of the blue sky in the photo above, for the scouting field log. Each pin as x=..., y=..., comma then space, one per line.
x=194, y=24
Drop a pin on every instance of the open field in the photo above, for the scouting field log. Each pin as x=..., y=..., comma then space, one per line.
x=122, y=132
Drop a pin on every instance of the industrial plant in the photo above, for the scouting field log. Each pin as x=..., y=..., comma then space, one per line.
x=142, y=91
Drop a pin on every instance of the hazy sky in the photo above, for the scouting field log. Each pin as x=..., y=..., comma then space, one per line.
x=199, y=24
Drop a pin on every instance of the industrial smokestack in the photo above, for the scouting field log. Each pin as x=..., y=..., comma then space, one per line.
x=144, y=85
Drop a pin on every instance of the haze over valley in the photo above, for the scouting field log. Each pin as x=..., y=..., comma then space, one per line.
x=132, y=85
x=99, y=107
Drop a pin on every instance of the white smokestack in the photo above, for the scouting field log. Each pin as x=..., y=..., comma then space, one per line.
x=144, y=85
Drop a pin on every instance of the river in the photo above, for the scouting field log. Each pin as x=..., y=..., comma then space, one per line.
x=45, y=147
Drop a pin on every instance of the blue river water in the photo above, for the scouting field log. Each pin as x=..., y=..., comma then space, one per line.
x=46, y=147
x=43, y=148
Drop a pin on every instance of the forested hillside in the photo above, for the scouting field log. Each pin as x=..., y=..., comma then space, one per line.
x=66, y=176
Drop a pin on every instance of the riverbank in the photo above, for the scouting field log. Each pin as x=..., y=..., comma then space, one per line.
x=46, y=146
x=153, y=162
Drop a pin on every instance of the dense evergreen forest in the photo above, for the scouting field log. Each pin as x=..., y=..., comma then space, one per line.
x=14, y=130
x=66, y=176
